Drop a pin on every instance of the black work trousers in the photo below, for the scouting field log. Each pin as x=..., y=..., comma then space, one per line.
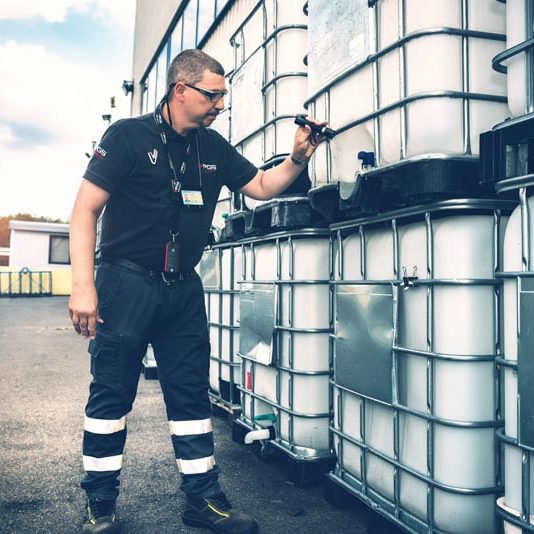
x=138, y=309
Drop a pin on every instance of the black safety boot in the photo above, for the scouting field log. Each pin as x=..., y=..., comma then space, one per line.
x=99, y=516
x=216, y=514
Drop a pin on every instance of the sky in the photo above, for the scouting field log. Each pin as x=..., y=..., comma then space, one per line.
x=61, y=61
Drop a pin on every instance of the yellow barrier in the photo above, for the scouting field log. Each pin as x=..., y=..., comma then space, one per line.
x=26, y=282
x=61, y=281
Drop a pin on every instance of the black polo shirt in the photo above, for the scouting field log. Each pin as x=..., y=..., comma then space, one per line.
x=131, y=164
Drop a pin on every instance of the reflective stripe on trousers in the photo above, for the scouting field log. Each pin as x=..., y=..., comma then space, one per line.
x=189, y=435
x=136, y=311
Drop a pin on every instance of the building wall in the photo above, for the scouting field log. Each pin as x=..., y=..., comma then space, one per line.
x=152, y=20
x=28, y=249
x=30, y=244
x=31, y=249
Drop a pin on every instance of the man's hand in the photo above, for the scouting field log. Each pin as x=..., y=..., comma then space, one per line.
x=271, y=182
x=83, y=303
x=83, y=309
x=306, y=140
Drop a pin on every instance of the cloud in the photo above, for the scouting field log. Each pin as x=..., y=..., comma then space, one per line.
x=117, y=13
x=51, y=112
x=42, y=181
x=53, y=95
x=18, y=135
x=46, y=94
x=113, y=12
x=50, y=10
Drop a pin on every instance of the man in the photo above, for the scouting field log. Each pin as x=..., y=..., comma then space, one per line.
x=159, y=176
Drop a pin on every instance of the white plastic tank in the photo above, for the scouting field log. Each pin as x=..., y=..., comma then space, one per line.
x=517, y=21
x=218, y=46
x=445, y=332
x=403, y=79
x=218, y=43
x=221, y=269
x=222, y=123
x=268, y=84
x=260, y=264
x=294, y=387
x=514, y=492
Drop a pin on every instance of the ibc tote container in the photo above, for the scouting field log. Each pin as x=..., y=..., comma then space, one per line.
x=508, y=162
x=513, y=147
x=221, y=270
x=519, y=56
x=410, y=81
x=415, y=341
x=268, y=82
x=284, y=344
x=505, y=150
x=517, y=371
x=217, y=44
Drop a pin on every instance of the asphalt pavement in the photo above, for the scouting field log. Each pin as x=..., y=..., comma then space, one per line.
x=44, y=376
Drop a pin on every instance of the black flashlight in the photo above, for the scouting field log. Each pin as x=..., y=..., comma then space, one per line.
x=327, y=133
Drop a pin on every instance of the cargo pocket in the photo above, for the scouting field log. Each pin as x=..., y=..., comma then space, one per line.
x=107, y=283
x=106, y=358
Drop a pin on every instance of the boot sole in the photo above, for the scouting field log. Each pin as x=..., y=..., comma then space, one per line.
x=202, y=523
x=94, y=529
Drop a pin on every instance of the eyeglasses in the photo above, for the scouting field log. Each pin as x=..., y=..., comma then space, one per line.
x=212, y=96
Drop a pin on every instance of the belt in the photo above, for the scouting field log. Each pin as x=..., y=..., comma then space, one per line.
x=148, y=272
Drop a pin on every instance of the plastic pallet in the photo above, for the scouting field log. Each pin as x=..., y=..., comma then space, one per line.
x=234, y=227
x=400, y=185
x=507, y=151
x=229, y=392
x=285, y=214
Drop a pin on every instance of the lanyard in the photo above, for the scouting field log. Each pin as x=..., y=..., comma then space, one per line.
x=177, y=178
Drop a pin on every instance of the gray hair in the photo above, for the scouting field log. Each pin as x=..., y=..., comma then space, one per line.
x=189, y=66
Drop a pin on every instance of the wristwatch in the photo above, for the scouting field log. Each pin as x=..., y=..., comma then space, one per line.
x=297, y=161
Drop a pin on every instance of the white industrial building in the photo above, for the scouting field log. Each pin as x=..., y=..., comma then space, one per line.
x=39, y=245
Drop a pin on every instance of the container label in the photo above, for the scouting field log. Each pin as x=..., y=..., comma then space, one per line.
x=339, y=35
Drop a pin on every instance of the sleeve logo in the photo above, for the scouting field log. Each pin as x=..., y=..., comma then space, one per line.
x=99, y=152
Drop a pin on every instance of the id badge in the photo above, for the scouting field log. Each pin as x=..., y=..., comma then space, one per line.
x=192, y=198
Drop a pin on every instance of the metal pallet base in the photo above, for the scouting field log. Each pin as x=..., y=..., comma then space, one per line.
x=219, y=404
x=302, y=471
x=339, y=496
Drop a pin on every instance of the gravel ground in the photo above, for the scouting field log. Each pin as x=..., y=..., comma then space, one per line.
x=44, y=374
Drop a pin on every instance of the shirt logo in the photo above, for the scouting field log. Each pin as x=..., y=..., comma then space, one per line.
x=99, y=152
x=153, y=156
x=208, y=167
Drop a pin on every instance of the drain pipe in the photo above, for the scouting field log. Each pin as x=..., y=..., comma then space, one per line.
x=263, y=433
